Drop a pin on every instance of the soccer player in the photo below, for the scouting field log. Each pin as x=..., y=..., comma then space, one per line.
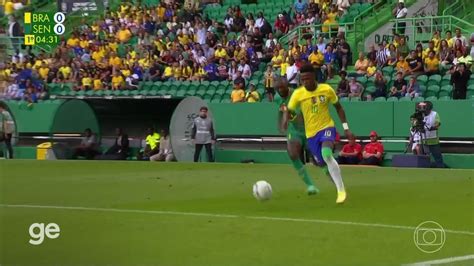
x=314, y=100
x=295, y=134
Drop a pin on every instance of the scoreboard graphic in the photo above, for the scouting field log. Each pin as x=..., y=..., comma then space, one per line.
x=43, y=27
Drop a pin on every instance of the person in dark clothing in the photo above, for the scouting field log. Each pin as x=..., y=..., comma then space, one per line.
x=88, y=146
x=120, y=149
x=203, y=135
x=459, y=79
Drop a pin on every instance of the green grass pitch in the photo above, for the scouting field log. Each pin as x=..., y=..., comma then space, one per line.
x=133, y=213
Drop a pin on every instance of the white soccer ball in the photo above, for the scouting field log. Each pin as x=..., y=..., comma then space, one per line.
x=262, y=190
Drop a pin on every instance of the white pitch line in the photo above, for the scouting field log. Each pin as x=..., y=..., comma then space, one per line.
x=263, y=218
x=442, y=261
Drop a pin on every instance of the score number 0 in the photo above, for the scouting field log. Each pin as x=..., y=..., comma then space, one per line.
x=59, y=18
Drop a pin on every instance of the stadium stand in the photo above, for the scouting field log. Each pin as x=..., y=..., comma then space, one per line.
x=168, y=49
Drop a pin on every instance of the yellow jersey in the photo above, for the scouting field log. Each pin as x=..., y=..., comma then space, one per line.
x=314, y=107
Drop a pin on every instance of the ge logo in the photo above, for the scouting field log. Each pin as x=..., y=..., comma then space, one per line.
x=39, y=230
x=429, y=237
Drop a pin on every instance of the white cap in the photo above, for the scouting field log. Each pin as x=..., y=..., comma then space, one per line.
x=135, y=76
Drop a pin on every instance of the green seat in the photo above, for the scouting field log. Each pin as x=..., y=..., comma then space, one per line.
x=380, y=99
x=422, y=79
x=470, y=87
x=405, y=99
x=143, y=92
x=98, y=93
x=226, y=100
x=362, y=80
x=355, y=99
x=418, y=99
x=434, y=80
x=344, y=99
x=89, y=93
x=117, y=93
x=370, y=89
x=387, y=71
x=392, y=99
x=431, y=98
x=444, y=98
x=146, y=85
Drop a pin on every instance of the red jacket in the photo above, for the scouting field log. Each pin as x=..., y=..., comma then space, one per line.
x=353, y=148
x=373, y=148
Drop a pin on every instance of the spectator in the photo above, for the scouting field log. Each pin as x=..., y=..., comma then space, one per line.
x=117, y=81
x=445, y=55
x=371, y=69
x=238, y=93
x=292, y=73
x=392, y=55
x=15, y=32
x=152, y=142
x=459, y=79
x=361, y=65
x=222, y=71
x=300, y=6
x=329, y=61
x=351, y=152
x=252, y=95
x=460, y=37
x=203, y=135
x=88, y=147
x=413, y=89
x=380, y=86
x=431, y=64
x=118, y=151
x=355, y=88
x=343, y=52
x=400, y=12
x=372, y=54
x=244, y=68
x=165, y=151
x=343, y=89
x=403, y=48
x=415, y=64
x=382, y=56
x=399, y=86
x=402, y=66
x=269, y=83
x=373, y=151
x=316, y=58
x=281, y=25
x=7, y=128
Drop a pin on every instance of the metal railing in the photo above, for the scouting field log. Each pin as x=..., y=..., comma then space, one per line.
x=421, y=29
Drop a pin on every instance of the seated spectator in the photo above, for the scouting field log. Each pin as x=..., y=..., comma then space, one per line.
x=343, y=86
x=131, y=82
x=399, y=86
x=392, y=55
x=361, y=65
x=431, y=64
x=402, y=65
x=245, y=69
x=380, y=86
x=238, y=93
x=415, y=64
x=382, y=55
x=88, y=147
x=118, y=151
x=356, y=89
x=445, y=55
x=372, y=54
x=343, y=53
x=222, y=71
x=403, y=48
x=152, y=142
x=351, y=153
x=281, y=25
x=165, y=151
x=413, y=89
x=371, y=69
x=117, y=81
x=373, y=151
x=252, y=95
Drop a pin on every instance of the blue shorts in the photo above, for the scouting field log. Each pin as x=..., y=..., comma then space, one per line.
x=315, y=143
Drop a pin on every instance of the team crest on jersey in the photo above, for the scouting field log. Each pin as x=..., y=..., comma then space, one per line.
x=322, y=99
x=314, y=100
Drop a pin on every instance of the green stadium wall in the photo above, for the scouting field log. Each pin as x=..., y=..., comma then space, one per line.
x=389, y=119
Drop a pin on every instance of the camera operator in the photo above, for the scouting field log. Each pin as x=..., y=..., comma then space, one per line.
x=429, y=133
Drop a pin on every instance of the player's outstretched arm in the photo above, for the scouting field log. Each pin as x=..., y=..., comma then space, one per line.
x=342, y=117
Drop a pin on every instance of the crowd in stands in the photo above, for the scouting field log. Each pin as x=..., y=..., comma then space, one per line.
x=170, y=42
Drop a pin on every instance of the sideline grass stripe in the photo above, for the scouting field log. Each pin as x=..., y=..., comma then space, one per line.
x=268, y=218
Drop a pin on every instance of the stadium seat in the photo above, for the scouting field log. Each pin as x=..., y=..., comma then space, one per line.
x=422, y=79
x=392, y=99
x=380, y=99
x=444, y=98
x=344, y=99
x=445, y=91
x=418, y=99
x=405, y=99
x=434, y=80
